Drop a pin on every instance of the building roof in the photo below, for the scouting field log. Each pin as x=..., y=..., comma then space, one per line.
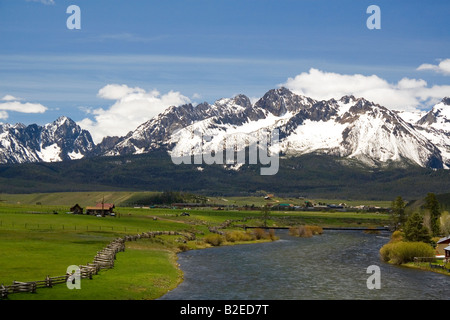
x=100, y=206
x=444, y=240
x=447, y=248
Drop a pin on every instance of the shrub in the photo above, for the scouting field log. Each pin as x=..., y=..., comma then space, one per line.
x=315, y=229
x=183, y=247
x=305, y=231
x=300, y=231
x=397, y=236
x=401, y=252
x=272, y=235
x=233, y=236
x=214, y=239
x=260, y=233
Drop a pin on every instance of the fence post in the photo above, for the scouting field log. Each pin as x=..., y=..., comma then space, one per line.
x=48, y=281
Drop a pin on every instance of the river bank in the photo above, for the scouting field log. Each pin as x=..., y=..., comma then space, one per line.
x=37, y=242
x=440, y=268
x=324, y=267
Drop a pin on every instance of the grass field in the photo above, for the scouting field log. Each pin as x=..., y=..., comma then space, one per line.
x=36, y=242
x=68, y=199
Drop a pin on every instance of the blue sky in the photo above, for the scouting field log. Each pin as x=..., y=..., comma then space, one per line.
x=162, y=52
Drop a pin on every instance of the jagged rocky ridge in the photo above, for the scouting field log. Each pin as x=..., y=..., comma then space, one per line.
x=60, y=140
x=348, y=128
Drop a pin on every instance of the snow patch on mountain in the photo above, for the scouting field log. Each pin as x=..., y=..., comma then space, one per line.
x=50, y=153
x=313, y=136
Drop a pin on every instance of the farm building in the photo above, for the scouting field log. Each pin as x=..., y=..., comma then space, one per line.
x=76, y=209
x=283, y=206
x=103, y=209
x=442, y=244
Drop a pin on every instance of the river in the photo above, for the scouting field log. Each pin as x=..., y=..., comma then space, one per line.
x=331, y=266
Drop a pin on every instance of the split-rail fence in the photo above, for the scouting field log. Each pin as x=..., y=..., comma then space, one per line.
x=104, y=259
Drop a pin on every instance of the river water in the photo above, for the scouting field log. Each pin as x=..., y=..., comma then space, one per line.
x=331, y=266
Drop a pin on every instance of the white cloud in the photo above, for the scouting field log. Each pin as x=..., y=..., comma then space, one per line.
x=9, y=97
x=12, y=104
x=26, y=107
x=3, y=115
x=442, y=67
x=116, y=91
x=196, y=96
x=131, y=107
x=407, y=94
x=43, y=1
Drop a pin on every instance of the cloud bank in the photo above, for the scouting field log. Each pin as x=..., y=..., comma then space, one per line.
x=405, y=95
x=131, y=108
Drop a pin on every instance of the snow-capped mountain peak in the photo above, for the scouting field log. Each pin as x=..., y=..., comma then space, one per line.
x=346, y=127
x=438, y=116
x=60, y=140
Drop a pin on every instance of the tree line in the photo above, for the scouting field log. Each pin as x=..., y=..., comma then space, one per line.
x=417, y=230
x=420, y=224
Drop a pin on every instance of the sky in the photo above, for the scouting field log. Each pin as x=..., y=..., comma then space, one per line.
x=130, y=60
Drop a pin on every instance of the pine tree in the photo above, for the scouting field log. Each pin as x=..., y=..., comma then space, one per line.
x=415, y=230
x=433, y=207
x=265, y=211
x=398, y=212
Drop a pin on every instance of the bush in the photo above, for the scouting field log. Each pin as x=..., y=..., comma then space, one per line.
x=183, y=247
x=315, y=229
x=214, y=239
x=261, y=234
x=397, y=236
x=401, y=252
x=233, y=236
x=272, y=235
x=305, y=231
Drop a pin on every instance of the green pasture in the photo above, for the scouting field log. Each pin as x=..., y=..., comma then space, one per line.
x=68, y=199
x=43, y=239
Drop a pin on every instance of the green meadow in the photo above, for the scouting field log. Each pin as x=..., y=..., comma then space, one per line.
x=39, y=238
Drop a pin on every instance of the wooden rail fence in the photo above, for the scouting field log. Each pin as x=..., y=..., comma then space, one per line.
x=104, y=259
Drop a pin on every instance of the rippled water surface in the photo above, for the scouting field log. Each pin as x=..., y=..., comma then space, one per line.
x=330, y=266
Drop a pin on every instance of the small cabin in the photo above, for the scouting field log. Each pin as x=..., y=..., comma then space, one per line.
x=442, y=244
x=76, y=209
x=102, y=209
x=447, y=253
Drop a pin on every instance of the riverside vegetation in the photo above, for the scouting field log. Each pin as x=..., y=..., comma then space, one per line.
x=40, y=240
x=418, y=228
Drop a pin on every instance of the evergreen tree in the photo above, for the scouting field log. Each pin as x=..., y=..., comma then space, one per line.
x=415, y=230
x=433, y=207
x=265, y=211
x=398, y=212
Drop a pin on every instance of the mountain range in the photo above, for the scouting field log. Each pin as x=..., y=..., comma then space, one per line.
x=346, y=128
